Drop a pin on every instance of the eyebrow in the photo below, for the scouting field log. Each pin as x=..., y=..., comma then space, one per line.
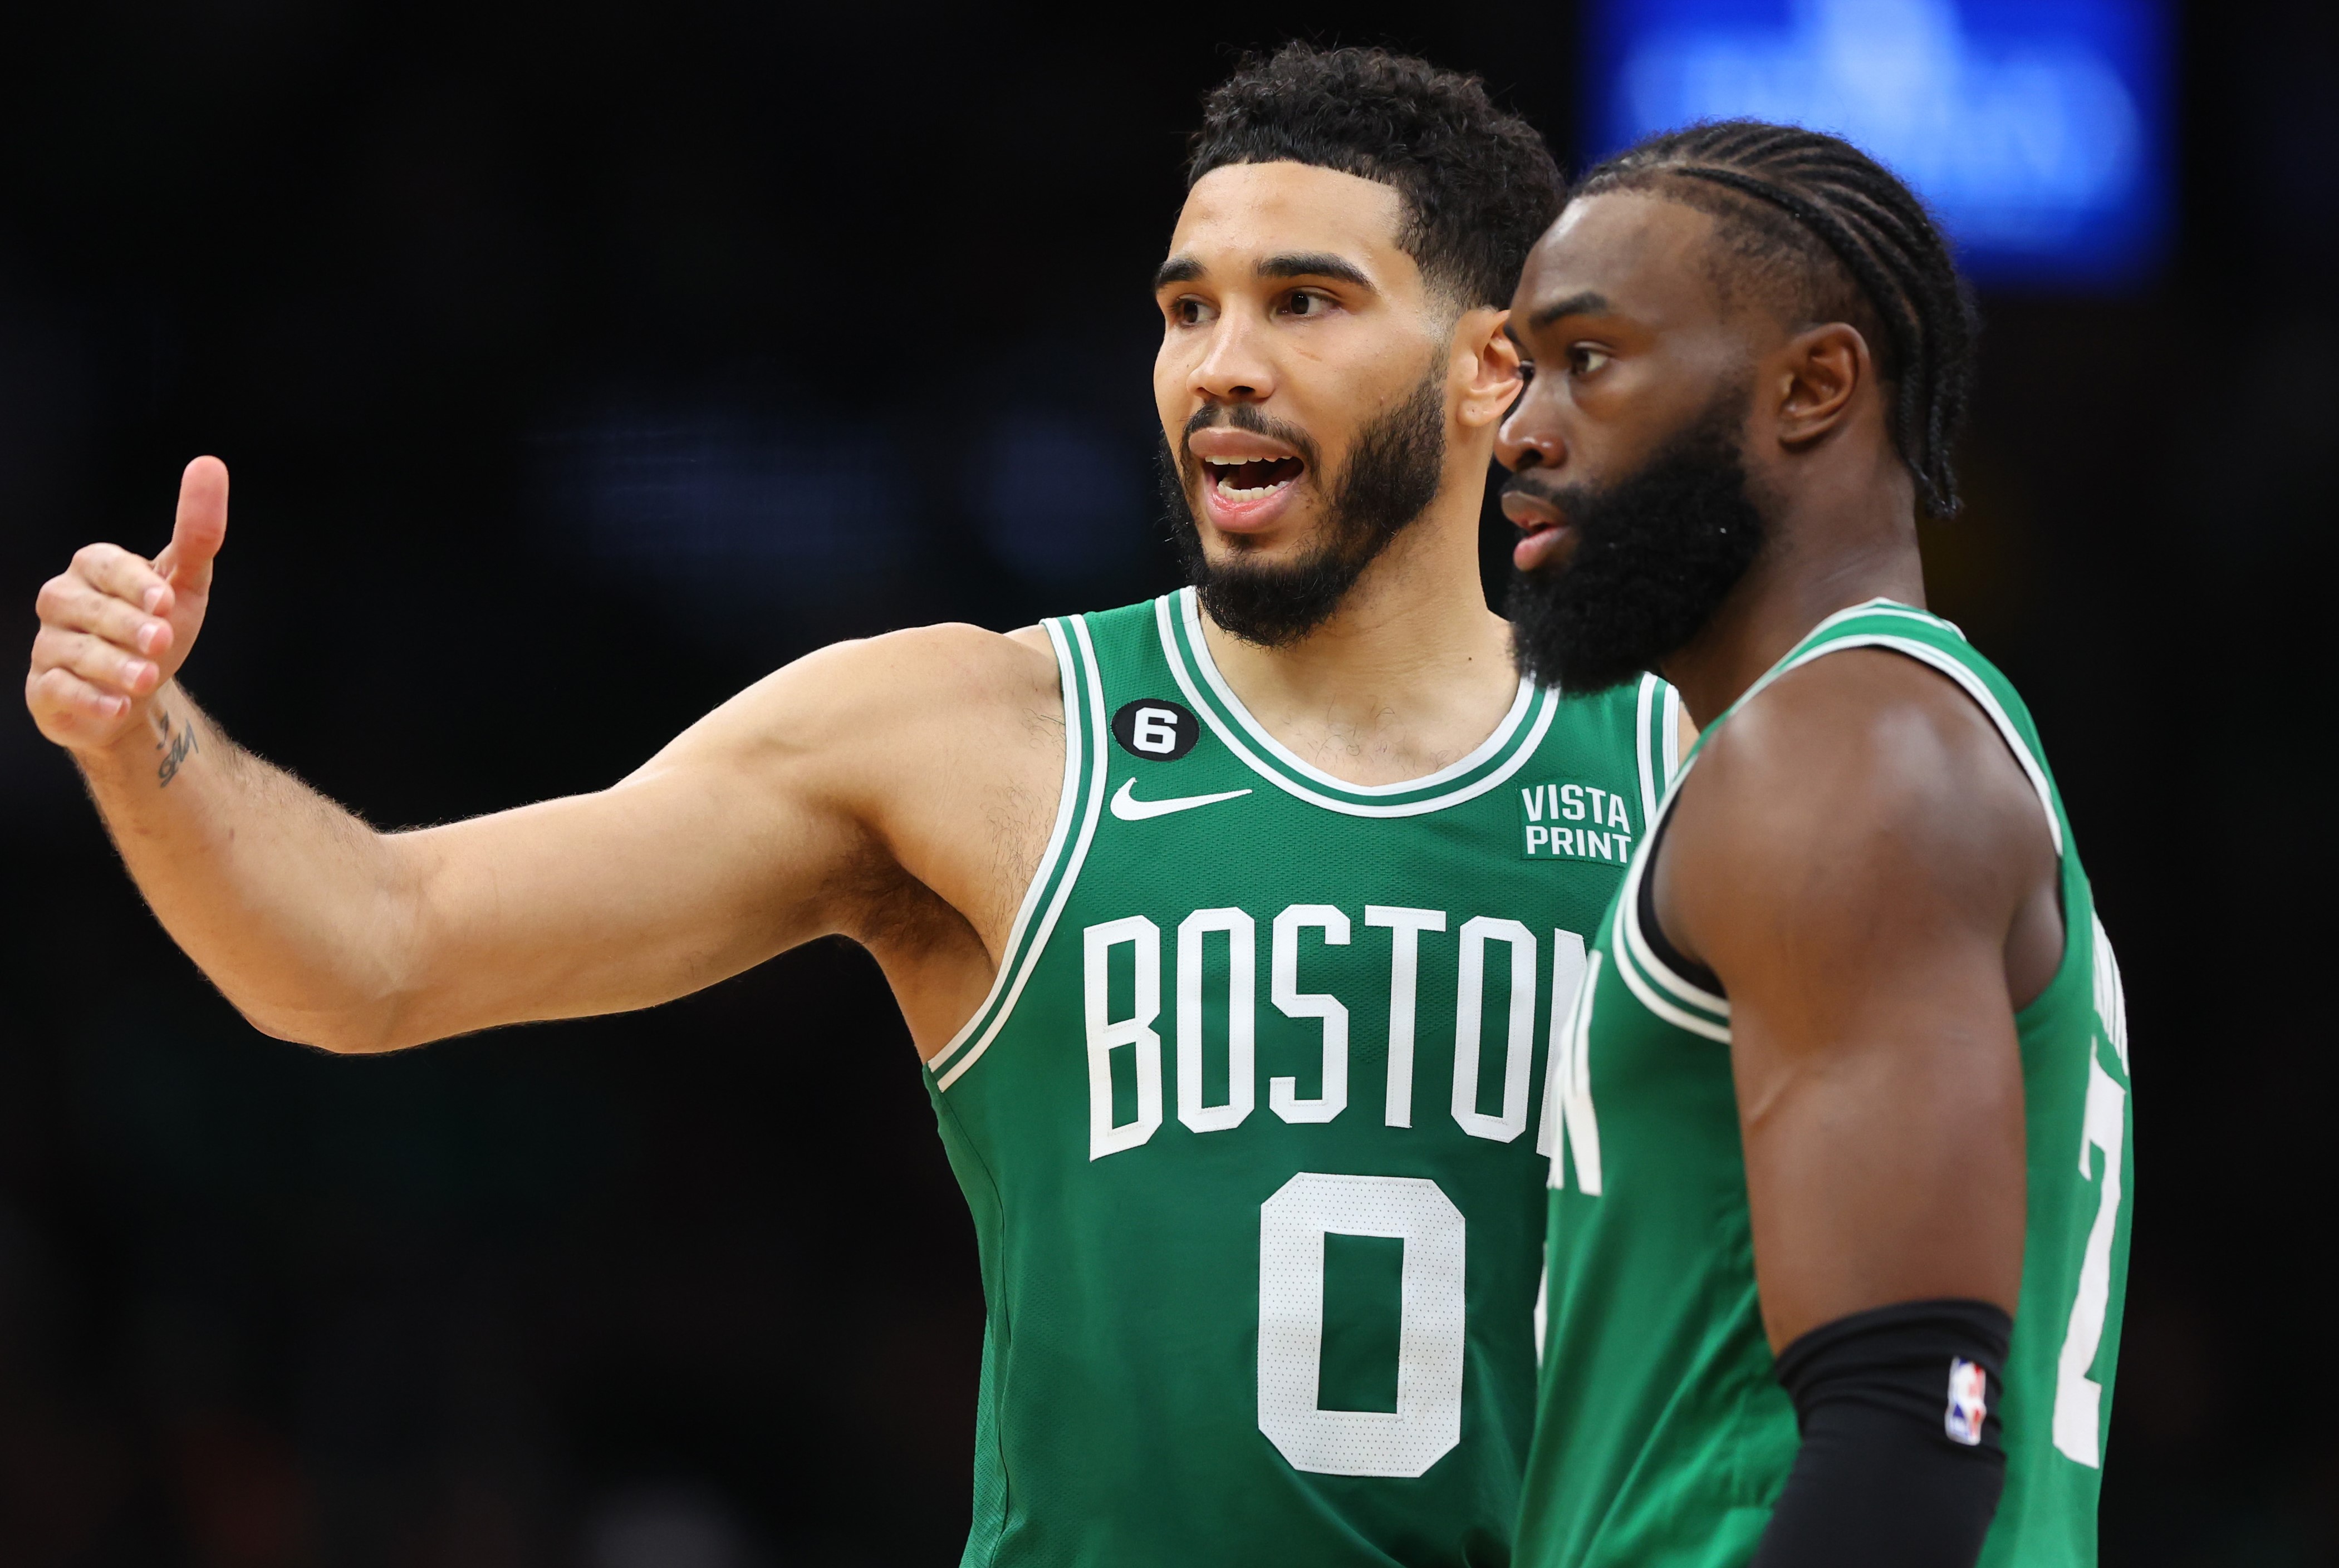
x=1284, y=264
x=1176, y=270
x=1314, y=264
x=1587, y=303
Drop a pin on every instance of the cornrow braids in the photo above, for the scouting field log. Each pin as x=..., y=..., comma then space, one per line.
x=1813, y=216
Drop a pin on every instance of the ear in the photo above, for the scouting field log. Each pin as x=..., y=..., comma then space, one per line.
x=1819, y=372
x=1485, y=368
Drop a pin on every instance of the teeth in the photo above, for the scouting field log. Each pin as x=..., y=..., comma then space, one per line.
x=1223, y=480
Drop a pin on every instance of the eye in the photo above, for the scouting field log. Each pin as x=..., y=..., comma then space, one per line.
x=1526, y=371
x=1306, y=302
x=1584, y=361
x=1185, y=311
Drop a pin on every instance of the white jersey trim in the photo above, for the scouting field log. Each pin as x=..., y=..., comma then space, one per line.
x=1638, y=956
x=1671, y=737
x=1656, y=727
x=1545, y=712
x=1638, y=962
x=1067, y=799
x=1643, y=723
x=1640, y=987
x=1190, y=610
x=1083, y=742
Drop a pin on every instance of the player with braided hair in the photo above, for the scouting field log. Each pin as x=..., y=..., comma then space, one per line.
x=1838, y=202
x=1199, y=911
x=1839, y=1127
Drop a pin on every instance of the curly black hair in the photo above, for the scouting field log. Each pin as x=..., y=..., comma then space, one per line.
x=1837, y=236
x=1479, y=185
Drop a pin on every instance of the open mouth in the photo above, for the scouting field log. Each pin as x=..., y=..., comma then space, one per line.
x=1544, y=536
x=1541, y=541
x=1254, y=480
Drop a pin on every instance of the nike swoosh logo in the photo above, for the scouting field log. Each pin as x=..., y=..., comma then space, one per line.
x=1127, y=808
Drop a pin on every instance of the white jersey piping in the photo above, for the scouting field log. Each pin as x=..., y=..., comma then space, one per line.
x=1189, y=610
x=1545, y=712
x=1656, y=736
x=1644, y=722
x=1074, y=756
x=1670, y=737
x=1639, y=955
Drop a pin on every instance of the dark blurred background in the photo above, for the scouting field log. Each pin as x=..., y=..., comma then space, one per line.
x=579, y=363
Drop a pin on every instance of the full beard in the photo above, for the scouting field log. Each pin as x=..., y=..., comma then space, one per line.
x=1386, y=484
x=1656, y=555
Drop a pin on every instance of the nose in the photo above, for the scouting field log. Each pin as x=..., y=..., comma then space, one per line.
x=1234, y=369
x=1528, y=437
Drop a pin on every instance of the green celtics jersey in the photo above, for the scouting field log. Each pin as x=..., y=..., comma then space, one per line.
x=1250, y=1122
x=1660, y=1438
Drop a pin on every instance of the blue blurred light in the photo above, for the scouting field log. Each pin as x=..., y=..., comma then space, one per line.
x=764, y=504
x=2037, y=130
x=1059, y=499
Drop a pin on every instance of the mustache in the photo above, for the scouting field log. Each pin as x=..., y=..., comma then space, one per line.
x=1532, y=484
x=1242, y=416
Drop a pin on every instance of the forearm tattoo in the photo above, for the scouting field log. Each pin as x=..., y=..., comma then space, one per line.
x=175, y=742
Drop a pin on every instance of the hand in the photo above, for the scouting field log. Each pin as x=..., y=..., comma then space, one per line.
x=114, y=626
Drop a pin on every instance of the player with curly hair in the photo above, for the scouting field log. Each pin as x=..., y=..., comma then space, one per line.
x=1229, y=926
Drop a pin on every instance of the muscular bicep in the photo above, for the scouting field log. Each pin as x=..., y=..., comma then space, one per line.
x=1850, y=865
x=706, y=860
x=767, y=823
x=1881, y=1114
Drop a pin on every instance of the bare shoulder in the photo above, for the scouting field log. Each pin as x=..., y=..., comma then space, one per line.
x=906, y=745
x=1859, y=790
x=938, y=668
x=948, y=703
x=856, y=702
x=926, y=763
x=953, y=658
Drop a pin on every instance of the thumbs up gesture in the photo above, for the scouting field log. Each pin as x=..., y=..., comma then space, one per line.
x=115, y=626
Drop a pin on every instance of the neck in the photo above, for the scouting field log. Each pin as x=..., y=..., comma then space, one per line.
x=1821, y=558
x=1411, y=673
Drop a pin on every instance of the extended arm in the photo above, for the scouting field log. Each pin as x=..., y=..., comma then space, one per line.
x=780, y=816
x=1862, y=861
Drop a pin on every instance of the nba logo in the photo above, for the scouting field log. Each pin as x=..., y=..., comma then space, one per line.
x=1967, y=1385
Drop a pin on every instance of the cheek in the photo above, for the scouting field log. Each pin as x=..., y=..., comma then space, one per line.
x=1359, y=361
x=1335, y=400
x=1627, y=406
x=1173, y=395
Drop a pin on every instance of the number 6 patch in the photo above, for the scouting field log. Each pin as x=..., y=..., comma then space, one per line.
x=1156, y=730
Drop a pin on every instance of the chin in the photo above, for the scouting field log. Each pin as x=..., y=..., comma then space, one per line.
x=1287, y=539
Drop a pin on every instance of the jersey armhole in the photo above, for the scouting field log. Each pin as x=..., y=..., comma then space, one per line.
x=1077, y=801
x=1649, y=958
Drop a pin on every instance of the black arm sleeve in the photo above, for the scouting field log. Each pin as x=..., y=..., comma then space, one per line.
x=1901, y=1462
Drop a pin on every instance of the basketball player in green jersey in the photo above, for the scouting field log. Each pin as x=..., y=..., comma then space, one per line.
x=1230, y=926
x=1841, y=1215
